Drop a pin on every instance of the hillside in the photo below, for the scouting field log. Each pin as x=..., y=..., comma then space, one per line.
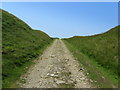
x=101, y=50
x=20, y=45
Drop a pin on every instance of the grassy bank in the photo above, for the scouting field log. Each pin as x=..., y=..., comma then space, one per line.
x=99, y=55
x=20, y=45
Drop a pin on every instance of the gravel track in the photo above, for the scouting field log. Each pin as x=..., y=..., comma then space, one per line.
x=56, y=68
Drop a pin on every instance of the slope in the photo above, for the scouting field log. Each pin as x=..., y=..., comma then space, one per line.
x=20, y=45
x=101, y=50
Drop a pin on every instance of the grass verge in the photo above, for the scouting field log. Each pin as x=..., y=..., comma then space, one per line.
x=100, y=76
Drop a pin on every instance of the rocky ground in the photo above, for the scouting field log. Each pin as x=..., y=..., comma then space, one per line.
x=56, y=68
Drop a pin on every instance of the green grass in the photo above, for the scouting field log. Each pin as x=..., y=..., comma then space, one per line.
x=20, y=45
x=99, y=55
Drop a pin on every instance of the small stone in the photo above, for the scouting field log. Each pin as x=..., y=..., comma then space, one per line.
x=52, y=56
x=67, y=59
x=82, y=78
x=57, y=72
x=48, y=74
x=75, y=65
x=80, y=69
x=103, y=77
x=60, y=81
x=87, y=73
x=60, y=68
x=53, y=75
x=91, y=80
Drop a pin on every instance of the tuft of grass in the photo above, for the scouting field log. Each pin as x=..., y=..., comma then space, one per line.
x=20, y=46
x=99, y=55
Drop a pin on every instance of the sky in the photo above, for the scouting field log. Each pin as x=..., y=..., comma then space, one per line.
x=66, y=19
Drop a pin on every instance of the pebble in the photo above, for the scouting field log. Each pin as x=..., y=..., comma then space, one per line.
x=103, y=77
x=52, y=56
x=59, y=81
x=57, y=72
x=80, y=69
x=75, y=65
x=91, y=80
x=82, y=78
x=87, y=73
x=52, y=75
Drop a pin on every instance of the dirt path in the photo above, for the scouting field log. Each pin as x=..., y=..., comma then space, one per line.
x=56, y=68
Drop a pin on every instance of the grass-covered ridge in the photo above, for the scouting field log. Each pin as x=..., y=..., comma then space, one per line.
x=101, y=49
x=20, y=45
